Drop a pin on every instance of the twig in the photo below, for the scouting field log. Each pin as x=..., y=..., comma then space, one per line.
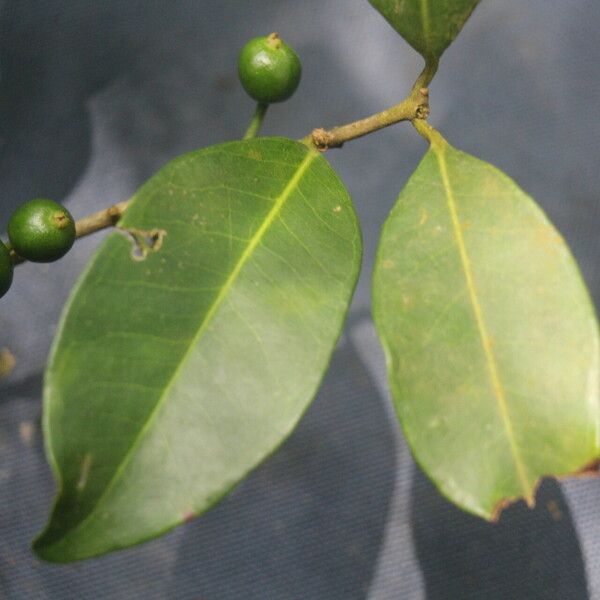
x=414, y=108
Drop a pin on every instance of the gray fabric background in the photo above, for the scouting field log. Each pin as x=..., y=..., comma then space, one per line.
x=96, y=96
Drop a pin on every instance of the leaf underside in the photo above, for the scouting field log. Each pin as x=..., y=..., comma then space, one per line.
x=490, y=336
x=429, y=26
x=173, y=376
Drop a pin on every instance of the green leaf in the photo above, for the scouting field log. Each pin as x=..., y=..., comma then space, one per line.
x=429, y=26
x=490, y=336
x=174, y=376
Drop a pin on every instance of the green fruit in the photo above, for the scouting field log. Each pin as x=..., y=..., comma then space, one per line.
x=269, y=69
x=41, y=231
x=6, y=270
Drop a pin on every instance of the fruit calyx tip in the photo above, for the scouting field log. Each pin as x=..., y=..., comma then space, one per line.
x=274, y=40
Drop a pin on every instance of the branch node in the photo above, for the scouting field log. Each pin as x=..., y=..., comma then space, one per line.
x=321, y=139
x=114, y=213
x=422, y=111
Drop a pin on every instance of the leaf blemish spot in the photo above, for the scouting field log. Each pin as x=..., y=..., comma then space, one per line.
x=589, y=470
x=84, y=472
x=188, y=516
x=255, y=154
x=502, y=505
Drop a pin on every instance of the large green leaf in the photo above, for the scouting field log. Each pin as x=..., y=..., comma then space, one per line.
x=172, y=377
x=429, y=26
x=490, y=337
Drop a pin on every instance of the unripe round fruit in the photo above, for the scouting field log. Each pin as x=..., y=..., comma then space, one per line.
x=6, y=269
x=269, y=69
x=41, y=231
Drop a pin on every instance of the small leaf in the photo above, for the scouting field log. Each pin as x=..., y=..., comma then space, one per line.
x=490, y=336
x=429, y=26
x=177, y=371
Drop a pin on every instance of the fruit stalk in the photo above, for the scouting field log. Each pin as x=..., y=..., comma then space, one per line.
x=102, y=219
x=257, y=120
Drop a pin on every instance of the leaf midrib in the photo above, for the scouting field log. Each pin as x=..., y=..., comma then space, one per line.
x=493, y=371
x=245, y=256
x=425, y=19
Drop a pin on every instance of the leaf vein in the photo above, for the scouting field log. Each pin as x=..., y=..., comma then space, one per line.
x=484, y=335
x=272, y=215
